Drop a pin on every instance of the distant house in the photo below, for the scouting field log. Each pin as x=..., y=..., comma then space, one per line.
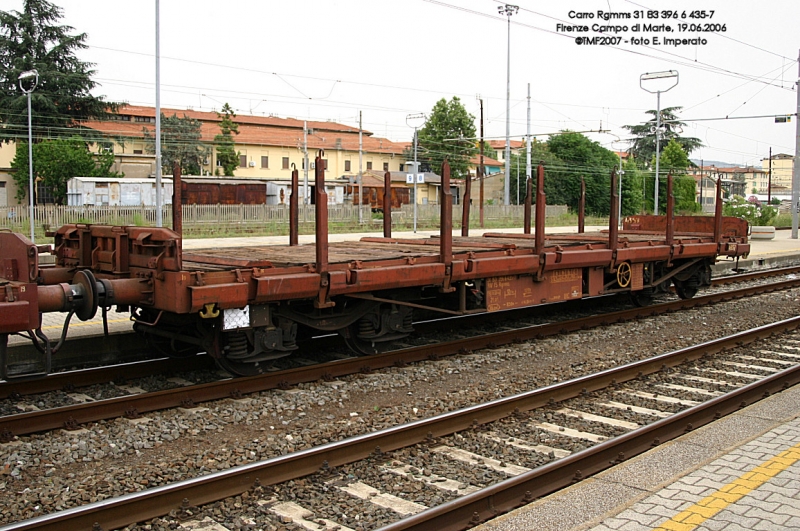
x=268, y=147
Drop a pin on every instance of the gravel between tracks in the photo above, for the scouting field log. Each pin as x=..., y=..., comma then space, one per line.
x=43, y=473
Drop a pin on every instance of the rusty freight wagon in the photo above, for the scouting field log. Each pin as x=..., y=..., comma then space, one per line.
x=248, y=305
x=220, y=191
x=374, y=190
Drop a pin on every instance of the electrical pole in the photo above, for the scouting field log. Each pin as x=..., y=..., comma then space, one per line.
x=159, y=220
x=528, y=143
x=360, y=189
x=508, y=10
x=796, y=162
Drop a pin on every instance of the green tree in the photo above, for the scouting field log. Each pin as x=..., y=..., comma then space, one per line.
x=632, y=188
x=227, y=155
x=643, y=147
x=673, y=160
x=580, y=157
x=440, y=138
x=33, y=39
x=57, y=161
x=180, y=141
x=540, y=153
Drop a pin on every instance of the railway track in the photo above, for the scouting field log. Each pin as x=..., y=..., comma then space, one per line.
x=188, y=394
x=461, y=468
x=105, y=347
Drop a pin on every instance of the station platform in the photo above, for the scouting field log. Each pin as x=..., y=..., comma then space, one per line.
x=739, y=473
x=778, y=252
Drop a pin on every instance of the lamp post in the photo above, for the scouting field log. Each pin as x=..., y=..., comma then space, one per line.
x=29, y=74
x=668, y=74
x=508, y=10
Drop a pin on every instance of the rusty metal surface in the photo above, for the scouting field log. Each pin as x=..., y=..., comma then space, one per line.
x=541, y=206
x=613, y=219
x=505, y=293
x=387, y=205
x=19, y=258
x=526, y=221
x=730, y=226
x=446, y=217
x=670, y=211
x=294, y=219
x=177, y=200
x=582, y=207
x=455, y=515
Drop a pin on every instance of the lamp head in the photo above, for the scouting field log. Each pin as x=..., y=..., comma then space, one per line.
x=28, y=74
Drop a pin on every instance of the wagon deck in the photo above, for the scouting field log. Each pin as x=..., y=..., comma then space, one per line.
x=371, y=250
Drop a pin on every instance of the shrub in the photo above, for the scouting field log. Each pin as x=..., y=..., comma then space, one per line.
x=739, y=207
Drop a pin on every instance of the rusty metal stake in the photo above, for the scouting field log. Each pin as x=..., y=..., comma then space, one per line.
x=446, y=222
x=526, y=223
x=718, y=213
x=670, y=211
x=541, y=205
x=321, y=219
x=613, y=219
x=177, y=192
x=294, y=219
x=465, y=206
x=387, y=205
x=582, y=208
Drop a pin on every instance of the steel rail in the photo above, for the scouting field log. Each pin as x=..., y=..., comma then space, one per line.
x=118, y=373
x=140, y=368
x=472, y=509
x=135, y=405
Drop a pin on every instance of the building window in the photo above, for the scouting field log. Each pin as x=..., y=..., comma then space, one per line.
x=347, y=165
x=137, y=151
x=402, y=166
x=285, y=163
x=324, y=164
x=242, y=161
x=385, y=166
x=369, y=165
x=264, y=161
x=145, y=119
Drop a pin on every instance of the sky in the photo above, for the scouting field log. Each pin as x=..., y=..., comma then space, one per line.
x=388, y=59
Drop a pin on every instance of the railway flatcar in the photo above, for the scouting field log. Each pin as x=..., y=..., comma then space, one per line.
x=247, y=306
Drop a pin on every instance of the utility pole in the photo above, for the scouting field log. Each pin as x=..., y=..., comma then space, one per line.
x=796, y=162
x=508, y=10
x=528, y=143
x=159, y=220
x=360, y=190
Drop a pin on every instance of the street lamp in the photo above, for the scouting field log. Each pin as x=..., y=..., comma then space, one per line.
x=34, y=75
x=508, y=10
x=414, y=118
x=668, y=74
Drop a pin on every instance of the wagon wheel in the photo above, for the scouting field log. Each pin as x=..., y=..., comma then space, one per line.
x=686, y=289
x=624, y=274
x=642, y=297
x=366, y=347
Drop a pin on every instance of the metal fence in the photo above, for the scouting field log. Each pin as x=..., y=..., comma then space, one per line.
x=251, y=218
